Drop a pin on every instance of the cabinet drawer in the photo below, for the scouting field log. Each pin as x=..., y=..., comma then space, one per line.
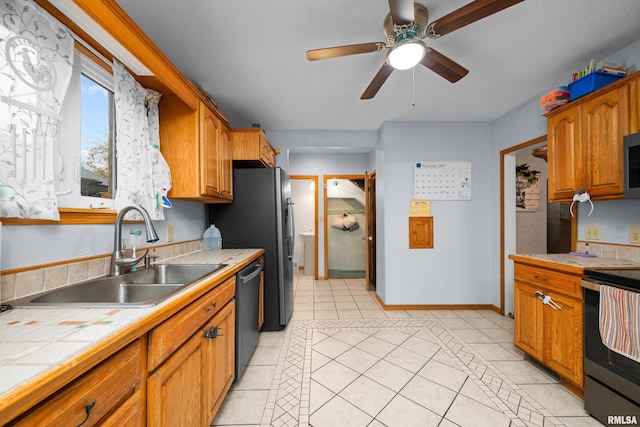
x=552, y=280
x=109, y=385
x=166, y=338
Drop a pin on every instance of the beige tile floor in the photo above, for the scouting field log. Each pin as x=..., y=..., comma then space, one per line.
x=343, y=361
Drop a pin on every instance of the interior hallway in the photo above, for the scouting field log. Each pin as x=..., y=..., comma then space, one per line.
x=343, y=361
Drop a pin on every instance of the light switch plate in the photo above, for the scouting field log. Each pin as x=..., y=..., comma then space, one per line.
x=634, y=234
x=592, y=232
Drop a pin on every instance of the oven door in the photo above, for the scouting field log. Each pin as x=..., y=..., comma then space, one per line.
x=608, y=367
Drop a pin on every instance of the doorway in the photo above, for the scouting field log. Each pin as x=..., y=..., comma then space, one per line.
x=345, y=209
x=304, y=193
x=512, y=239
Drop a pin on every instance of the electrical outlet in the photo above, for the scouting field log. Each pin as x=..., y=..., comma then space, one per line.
x=592, y=232
x=170, y=233
x=634, y=234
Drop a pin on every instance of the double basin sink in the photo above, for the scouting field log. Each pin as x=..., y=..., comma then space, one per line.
x=141, y=288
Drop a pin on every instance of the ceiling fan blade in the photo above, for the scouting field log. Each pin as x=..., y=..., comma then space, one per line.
x=466, y=15
x=352, y=49
x=444, y=66
x=377, y=82
x=401, y=11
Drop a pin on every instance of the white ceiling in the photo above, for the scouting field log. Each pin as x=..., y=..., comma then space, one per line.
x=250, y=56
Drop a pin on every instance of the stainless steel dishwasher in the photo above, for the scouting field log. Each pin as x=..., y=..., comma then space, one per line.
x=247, y=307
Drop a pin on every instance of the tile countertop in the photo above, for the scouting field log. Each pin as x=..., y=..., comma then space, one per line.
x=573, y=263
x=33, y=341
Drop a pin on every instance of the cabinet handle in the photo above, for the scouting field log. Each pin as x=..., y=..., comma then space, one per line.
x=87, y=410
x=535, y=276
x=213, y=307
x=213, y=332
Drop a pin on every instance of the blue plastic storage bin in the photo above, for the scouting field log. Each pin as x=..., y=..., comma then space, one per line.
x=589, y=83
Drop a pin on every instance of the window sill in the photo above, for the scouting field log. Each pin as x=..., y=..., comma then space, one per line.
x=70, y=216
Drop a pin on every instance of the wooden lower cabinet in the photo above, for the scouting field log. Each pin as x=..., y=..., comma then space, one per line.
x=189, y=387
x=528, y=320
x=99, y=397
x=220, y=355
x=175, y=389
x=552, y=336
x=563, y=338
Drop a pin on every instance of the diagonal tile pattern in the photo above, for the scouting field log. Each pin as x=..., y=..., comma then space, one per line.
x=343, y=361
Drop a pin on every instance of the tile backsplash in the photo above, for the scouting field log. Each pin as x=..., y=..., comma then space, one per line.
x=606, y=250
x=35, y=279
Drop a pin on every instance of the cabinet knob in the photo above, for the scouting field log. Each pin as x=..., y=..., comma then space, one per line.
x=213, y=306
x=544, y=279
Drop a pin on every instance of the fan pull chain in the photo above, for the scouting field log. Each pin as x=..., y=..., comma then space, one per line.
x=413, y=85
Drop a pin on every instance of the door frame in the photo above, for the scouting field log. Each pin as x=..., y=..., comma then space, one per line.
x=326, y=219
x=370, y=229
x=314, y=179
x=574, y=221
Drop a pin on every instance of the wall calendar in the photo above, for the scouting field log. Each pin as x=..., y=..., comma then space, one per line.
x=443, y=180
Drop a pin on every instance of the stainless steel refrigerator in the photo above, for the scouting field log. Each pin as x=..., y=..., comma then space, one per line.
x=261, y=216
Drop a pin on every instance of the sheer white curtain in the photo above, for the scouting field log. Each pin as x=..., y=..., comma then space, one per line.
x=36, y=58
x=136, y=136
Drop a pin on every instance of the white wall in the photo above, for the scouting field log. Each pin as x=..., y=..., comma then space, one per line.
x=457, y=270
x=26, y=245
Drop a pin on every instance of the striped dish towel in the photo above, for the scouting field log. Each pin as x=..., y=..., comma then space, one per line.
x=620, y=321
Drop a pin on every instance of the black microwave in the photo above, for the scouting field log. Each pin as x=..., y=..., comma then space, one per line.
x=632, y=166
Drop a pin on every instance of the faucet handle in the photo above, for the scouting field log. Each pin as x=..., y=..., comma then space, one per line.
x=148, y=258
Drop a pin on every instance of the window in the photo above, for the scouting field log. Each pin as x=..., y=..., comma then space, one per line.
x=96, y=139
x=85, y=170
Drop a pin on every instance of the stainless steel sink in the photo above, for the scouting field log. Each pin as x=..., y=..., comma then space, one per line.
x=142, y=288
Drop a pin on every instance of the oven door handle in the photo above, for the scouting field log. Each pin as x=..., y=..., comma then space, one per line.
x=590, y=285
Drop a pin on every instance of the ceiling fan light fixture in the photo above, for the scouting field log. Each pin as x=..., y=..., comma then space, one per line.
x=406, y=54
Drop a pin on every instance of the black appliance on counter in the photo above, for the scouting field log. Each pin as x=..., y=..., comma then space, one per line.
x=612, y=381
x=247, y=307
x=261, y=216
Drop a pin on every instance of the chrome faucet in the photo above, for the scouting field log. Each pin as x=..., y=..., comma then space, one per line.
x=117, y=260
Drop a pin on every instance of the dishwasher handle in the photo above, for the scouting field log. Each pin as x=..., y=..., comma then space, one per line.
x=250, y=276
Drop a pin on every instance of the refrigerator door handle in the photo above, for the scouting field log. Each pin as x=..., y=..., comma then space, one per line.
x=291, y=227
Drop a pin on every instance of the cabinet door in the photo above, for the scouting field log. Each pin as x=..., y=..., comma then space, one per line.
x=605, y=121
x=175, y=394
x=420, y=232
x=209, y=133
x=528, y=320
x=225, y=160
x=563, y=338
x=565, y=154
x=219, y=359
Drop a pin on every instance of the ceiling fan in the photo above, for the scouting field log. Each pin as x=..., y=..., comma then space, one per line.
x=405, y=27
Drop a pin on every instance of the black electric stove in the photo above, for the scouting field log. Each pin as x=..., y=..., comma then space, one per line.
x=612, y=381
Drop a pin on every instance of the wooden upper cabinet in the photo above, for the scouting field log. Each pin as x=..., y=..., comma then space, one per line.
x=605, y=122
x=564, y=154
x=252, y=148
x=585, y=145
x=197, y=147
